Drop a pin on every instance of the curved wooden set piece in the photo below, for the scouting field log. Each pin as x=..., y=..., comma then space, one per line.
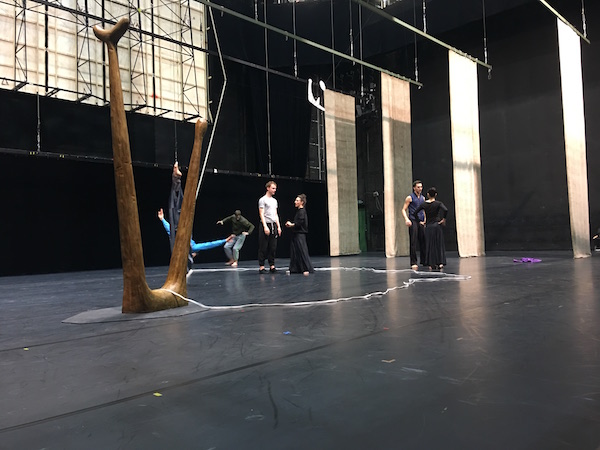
x=137, y=296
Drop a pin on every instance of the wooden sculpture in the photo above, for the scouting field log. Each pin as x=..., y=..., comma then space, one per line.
x=137, y=296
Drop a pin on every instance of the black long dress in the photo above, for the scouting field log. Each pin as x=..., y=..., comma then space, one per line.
x=299, y=258
x=435, y=249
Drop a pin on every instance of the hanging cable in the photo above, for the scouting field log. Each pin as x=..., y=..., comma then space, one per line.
x=415, y=39
x=176, y=146
x=485, y=50
x=583, y=19
x=360, y=49
x=351, y=35
x=332, y=45
x=424, y=17
x=268, y=100
x=295, y=43
x=39, y=126
x=218, y=113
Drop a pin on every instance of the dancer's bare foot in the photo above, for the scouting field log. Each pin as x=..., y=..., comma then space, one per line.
x=305, y=273
x=234, y=264
x=414, y=267
x=176, y=172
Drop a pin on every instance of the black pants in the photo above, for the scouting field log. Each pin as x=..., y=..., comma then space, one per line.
x=417, y=237
x=267, y=245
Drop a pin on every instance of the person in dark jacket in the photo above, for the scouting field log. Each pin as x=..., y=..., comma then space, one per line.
x=240, y=228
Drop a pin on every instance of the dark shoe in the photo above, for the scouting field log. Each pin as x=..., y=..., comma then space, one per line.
x=273, y=270
x=262, y=270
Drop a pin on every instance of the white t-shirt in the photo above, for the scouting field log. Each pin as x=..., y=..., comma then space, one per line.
x=269, y=206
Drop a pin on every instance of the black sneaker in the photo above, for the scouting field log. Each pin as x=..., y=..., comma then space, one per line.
x=262, y=270
x=272, y=270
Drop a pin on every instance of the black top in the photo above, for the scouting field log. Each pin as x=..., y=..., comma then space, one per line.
x=301, y=221
x=434, y=211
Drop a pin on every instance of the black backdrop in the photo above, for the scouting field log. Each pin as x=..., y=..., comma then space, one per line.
x=61, y=214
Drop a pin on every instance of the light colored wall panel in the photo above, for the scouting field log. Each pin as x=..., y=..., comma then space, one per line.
x=397, y=161
x=575, y=147
x=342, y=195
x=466, y=159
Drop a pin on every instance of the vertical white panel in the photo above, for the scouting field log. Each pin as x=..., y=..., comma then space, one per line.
x=575, y=148
x=397, y=161
x=466, y=159
x=342, y=195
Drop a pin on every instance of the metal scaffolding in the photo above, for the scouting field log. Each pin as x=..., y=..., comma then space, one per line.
x=63, y=59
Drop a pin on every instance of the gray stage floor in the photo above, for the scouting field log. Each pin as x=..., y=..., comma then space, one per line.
x=364, y=354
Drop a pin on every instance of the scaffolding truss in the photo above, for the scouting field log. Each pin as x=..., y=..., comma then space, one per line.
x=54, y=53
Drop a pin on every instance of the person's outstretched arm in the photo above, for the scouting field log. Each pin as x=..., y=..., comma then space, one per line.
x=226, y=219
x=161, y=217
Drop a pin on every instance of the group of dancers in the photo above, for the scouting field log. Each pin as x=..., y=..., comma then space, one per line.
x=425, y=218
x=241, y=227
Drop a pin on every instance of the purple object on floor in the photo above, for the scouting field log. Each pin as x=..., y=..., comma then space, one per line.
x=527, y=260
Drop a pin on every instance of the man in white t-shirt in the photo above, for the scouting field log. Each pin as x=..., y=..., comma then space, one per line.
x=269, y=230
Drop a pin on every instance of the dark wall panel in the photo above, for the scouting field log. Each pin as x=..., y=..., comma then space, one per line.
x=61, y=214
x=18, y=116
x=521, y=125
x=591, y=87
x=74, y=129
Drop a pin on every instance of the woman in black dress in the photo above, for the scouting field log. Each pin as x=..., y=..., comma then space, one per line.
x=435, y=217
x=299, y=259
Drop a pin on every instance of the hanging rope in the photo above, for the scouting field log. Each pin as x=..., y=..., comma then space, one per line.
x=485, y=50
